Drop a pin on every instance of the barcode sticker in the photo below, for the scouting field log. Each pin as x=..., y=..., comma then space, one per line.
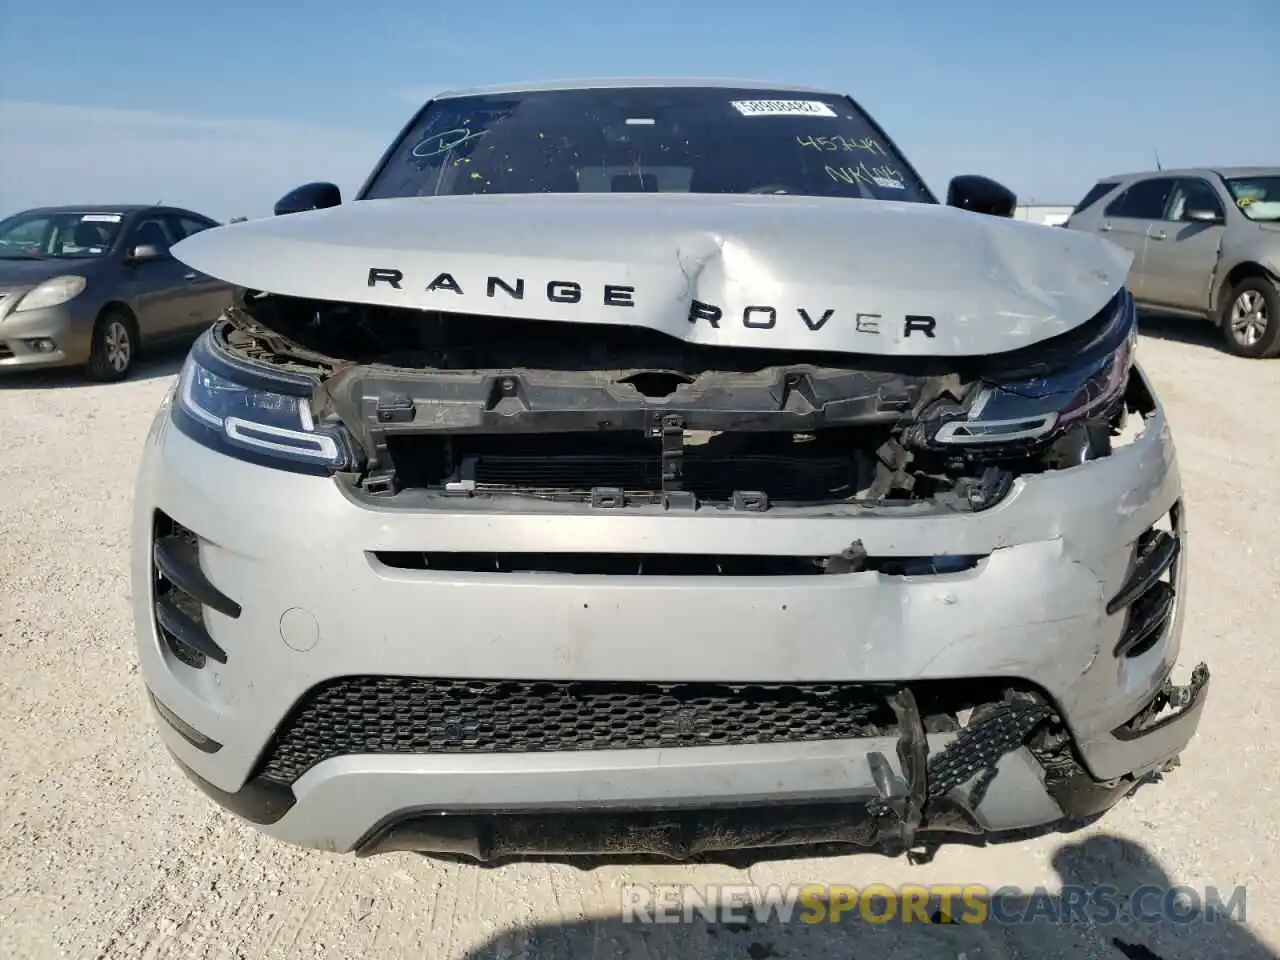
x=782, y=108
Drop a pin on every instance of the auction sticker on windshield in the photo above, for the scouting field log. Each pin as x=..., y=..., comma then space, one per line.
x=782, y=108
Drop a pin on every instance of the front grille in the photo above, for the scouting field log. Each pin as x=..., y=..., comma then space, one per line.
x=411, y=715
x=710, y=478
x=825, y=466
x=5, y=352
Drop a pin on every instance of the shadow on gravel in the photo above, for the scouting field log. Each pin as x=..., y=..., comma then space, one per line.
x=155, y=363
x=1189, y=330
x=1028, y=924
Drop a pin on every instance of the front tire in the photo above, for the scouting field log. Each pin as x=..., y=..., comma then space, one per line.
x=1251, y=319
x=115, y=346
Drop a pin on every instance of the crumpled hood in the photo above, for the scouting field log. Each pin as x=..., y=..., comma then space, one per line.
x=780, y=272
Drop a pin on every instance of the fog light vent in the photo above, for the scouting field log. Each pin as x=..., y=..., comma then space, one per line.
x=181, y=593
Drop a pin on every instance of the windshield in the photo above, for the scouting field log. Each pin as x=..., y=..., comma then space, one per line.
x=647, y=140
x=58, y=236
x=1257, y=197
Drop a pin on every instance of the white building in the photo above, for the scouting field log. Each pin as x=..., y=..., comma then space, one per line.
x=1050, y=214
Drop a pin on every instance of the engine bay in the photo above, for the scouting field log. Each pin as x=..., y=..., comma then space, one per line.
x=612, y=416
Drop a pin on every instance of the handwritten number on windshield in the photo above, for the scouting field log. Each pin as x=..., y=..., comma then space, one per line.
x=885, y=176
x=868, y=144
x=439, y=143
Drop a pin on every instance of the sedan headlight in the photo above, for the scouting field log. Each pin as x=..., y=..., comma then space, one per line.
x=254, y=417
x=1030, y=407
x=51, y=293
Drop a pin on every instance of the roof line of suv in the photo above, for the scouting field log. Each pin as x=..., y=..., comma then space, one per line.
x=1196, y=172
x=590, y=83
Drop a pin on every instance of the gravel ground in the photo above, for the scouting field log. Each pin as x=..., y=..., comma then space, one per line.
x=105, y=851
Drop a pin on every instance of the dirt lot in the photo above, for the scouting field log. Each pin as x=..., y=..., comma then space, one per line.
x=105, y=851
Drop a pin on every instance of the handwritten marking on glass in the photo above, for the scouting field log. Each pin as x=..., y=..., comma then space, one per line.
x=884, y=176
x=838, y=143
x=439, y=143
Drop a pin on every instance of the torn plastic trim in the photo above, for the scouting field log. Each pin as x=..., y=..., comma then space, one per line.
x=924, y=798
x=1169, y=705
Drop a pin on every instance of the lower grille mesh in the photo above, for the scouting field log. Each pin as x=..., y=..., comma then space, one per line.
x=410, y=715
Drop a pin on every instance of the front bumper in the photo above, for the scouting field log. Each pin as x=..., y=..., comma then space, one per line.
x=69, y=326
x=293, y=599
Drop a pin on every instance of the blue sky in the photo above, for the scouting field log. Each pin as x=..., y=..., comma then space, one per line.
x=224, y=105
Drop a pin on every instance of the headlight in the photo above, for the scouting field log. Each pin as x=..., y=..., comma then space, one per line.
x=51, y=293
x=1031, y=408
x=255, y=418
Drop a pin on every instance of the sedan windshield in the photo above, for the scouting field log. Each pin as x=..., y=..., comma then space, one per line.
x=647, y=140
x=58, y=236
x=1257, y=197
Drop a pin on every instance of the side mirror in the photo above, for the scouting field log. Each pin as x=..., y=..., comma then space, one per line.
x=1198, y=215
x=145, y=251
x=981, y=195
x=309, y=196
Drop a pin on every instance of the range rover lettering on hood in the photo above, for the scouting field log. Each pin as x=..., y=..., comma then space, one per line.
x=827, y=274
x=753, y=316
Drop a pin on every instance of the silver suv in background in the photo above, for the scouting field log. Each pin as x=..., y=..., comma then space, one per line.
x=1205, y=242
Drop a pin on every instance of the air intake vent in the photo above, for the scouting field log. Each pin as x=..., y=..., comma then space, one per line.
x=1149, y=594
x=181, y=593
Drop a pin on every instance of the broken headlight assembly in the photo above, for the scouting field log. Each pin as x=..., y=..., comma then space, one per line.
x=1031, y=406
x=265, y=420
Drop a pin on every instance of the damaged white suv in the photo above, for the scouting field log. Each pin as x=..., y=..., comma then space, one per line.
x=657, y=469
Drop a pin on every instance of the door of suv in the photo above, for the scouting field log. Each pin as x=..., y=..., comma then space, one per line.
x=1128, y=219
x=1181, y=255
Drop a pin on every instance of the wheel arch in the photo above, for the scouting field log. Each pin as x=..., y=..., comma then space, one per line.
x=1241, y=271
x=121, y=307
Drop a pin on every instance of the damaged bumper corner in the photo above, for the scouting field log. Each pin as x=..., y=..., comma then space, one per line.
x=1173, y=715
x=940, y=794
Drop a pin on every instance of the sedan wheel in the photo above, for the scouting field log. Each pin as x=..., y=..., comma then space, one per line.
x=114, y=347
x=1249, y=318
x=119, y=348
